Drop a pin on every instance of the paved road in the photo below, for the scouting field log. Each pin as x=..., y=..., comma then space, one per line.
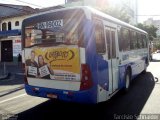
x=143, y=98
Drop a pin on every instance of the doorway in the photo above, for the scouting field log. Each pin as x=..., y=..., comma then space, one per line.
x=6, y=51
x=112, y=58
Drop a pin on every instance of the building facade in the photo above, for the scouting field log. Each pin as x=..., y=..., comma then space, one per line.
x=11, y=19
x=10, y=38
x=10, y=29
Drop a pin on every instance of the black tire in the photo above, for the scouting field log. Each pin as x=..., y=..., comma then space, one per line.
x=151, y=58
x=127, y=81
x=144, y=71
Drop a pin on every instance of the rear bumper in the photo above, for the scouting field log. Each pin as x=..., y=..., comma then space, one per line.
x=86, y=96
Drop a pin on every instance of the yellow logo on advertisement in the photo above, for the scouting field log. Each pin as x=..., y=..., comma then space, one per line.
x=65, y=59
x=59, y=55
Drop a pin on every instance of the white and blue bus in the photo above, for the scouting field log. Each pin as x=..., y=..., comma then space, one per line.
x=79, y=54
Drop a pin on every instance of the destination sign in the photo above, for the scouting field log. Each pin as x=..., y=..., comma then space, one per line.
x=50, y=24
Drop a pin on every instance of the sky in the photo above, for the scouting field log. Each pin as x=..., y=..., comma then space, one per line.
x=148, y=7
x=37, y=3
x=145, y=7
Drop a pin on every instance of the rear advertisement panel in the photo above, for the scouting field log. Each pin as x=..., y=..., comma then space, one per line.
x=53, y=63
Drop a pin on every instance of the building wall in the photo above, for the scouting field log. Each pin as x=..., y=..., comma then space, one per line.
x=13, y=20
x=16, y=46
x=13, y=36
x=16, y=40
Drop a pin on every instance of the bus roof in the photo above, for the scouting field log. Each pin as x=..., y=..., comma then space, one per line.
x=89, y=11
x=115, y=20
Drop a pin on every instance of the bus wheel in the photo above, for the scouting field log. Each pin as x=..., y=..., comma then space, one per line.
x=144, y=71
x=127, y=81
x=145, y=68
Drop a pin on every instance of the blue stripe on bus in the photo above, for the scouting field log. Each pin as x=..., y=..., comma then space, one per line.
x=122, y=70
x=121, y=81
x=98, y=66
x=76, y=96
x=102, y=72
x=90, y=49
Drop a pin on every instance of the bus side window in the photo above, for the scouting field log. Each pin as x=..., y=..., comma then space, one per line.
x=145, y=41
x=135, y=40
x=138, y=46
x=139, y=40
x=127, y=39
x=132, y=46
x=99, y=36
x=113, y=45
x=108, y=43
x=124, y=39
x=120, y=40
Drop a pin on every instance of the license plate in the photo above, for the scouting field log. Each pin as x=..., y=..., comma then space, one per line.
x=52, y=96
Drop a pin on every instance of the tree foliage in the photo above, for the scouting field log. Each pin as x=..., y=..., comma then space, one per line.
x=151, y=30
x=157, y=46
x=122, y=14
x=119, y=13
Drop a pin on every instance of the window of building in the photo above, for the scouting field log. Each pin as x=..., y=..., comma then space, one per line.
x=9, y=26
x=4, y=26
x=17, y=23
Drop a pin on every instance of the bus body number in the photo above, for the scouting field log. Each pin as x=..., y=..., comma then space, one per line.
x=50, y=24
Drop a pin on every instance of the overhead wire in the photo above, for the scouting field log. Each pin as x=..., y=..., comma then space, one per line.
x=19, y=9
x=147, y=15
x=29, y=3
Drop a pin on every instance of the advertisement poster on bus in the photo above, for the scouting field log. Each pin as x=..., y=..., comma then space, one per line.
x=53, y=63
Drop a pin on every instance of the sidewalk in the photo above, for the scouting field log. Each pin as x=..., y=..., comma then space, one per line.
x=8, y=69
x=13, y=78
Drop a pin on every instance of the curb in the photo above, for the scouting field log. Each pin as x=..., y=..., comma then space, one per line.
x=3, y=93
x=8, y=75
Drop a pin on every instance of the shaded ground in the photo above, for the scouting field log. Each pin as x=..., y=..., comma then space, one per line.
x=121, y=104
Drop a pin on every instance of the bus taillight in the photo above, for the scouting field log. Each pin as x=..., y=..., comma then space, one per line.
x=25, y=75
x=86, y=79
x=25, y=80
x=23, y=67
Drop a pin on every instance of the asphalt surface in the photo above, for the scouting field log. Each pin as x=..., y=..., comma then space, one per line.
x=142, y=98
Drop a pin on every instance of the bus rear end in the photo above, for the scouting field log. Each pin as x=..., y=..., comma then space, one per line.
x=54, y=57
